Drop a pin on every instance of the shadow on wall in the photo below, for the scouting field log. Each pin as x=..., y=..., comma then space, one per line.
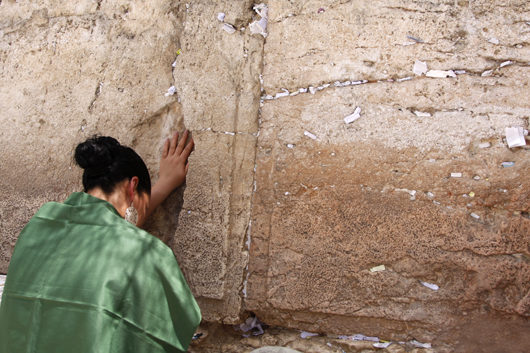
x=163, y=223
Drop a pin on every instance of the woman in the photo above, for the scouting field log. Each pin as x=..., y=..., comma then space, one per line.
x=84, y=278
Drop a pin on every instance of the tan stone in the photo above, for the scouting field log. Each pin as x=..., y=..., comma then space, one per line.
x=354, y=346
x=74, y=69
x=254, y=342
x=395, y=348
x=311, y=346
x=324, y=211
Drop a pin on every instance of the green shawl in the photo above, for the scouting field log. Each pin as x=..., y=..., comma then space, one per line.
x=82, y=279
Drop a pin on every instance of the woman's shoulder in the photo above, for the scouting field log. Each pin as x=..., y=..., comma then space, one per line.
x=98, y=219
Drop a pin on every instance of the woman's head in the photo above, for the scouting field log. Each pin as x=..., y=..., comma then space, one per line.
x=106, y=164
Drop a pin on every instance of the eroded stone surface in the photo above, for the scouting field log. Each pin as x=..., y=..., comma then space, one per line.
x=376, y=191
x=70, y=70
x=379, y=190
x=368, y=39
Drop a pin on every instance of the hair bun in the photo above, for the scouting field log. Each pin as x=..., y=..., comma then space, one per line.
x=96, y=152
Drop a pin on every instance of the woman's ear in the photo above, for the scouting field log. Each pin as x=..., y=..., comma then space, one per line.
x=132, y=187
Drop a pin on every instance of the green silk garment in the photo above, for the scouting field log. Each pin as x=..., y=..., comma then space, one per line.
x=82, y=279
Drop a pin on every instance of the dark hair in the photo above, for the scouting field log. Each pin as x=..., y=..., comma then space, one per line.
x=107, y=163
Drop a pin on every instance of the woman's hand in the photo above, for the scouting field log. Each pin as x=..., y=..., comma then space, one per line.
x=173, y=169
x=174, y=162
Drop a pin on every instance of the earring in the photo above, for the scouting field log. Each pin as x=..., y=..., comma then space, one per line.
x=131, y=215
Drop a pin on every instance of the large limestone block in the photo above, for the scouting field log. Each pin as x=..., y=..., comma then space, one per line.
x=367, y=39
x=72, y=69
x=69, y=71
x=378, y=191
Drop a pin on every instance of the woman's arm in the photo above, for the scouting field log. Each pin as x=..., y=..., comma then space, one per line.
x=173, y=169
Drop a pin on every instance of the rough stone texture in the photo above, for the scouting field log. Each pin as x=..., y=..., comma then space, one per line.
x=222, y=338
x=72, y=69
x=327, y=210
x=324, y=211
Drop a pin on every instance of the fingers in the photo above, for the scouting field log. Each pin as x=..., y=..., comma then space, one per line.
x=187, y=150
x=182, y=143
x=173, y=143
x=165, y=148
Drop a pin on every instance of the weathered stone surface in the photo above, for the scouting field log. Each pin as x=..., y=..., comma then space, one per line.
x=365, y=39
x=70, y=70
x=327, y=210
x=324, y=211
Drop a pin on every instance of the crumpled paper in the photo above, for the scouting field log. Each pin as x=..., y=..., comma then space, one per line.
x=260, y=27
x=249, y=325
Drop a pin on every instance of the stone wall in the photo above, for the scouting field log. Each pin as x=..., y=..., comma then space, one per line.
x=73, y=69
x=319, y=213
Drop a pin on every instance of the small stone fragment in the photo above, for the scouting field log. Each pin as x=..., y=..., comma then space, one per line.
x=377, y=268
x=430, y=195
x=312, y=89
x=422, y=114
x=476, y=177
x=471, y=194
x=346, y=83
x=484, y=145
x=321, y=10
x=221, y=16
x=229, y=28
x=430, y=285
x=474, y=215
x=290, y=146
x=404, y=79
x=456, y=175
x=440, y=73
x=302, y=90
x=310, y=135
x=420, y=68
x=506, y=63
x=487, y=73
x=336, y=84
x=507, y=164
x=460, y=72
